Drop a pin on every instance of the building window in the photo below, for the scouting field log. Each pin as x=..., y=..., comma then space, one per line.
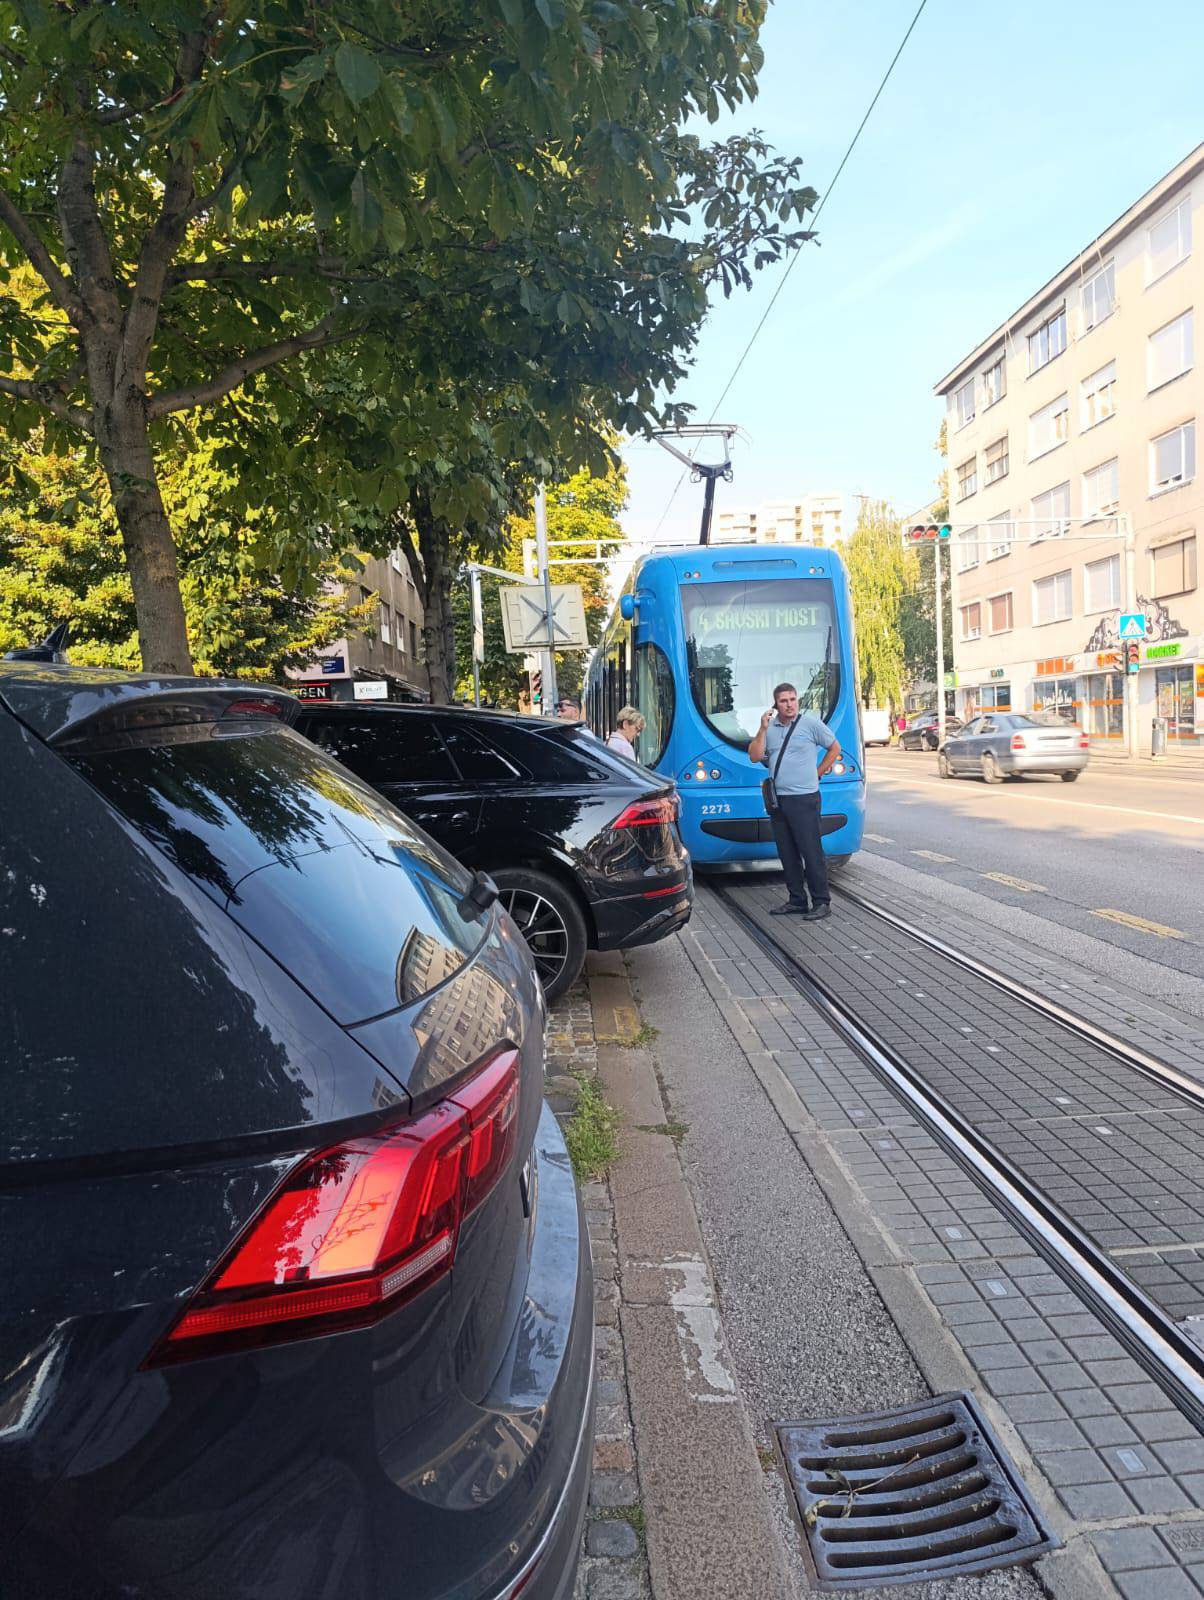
x=1101, y=584
x=1051, y=512
x=999, y=613
x=1099, y=395
x=1049, y=427
x=996, y=460
x=967, y=550
x=967, y=478
x=994, y=383
x=1101, y=490
x=399, y=634
x=1169, y=352
x=972, y=620
x=1174, y=567
x=1002, y=534
x=995, y=697
x=1047, y=342
x=1052, y=599
x=1173, y=458
x=963, y=403
x=414, y=650
x=1099, y=296
x=1168, y=241
x=395, y=561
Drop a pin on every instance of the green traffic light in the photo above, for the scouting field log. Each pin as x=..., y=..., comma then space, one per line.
x=944, y=531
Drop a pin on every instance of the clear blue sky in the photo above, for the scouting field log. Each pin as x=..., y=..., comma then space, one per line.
x=1008, y=136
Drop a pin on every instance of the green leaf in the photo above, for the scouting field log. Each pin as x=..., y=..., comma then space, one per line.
x=357, y=71
x=552, y=13
x=513, y=11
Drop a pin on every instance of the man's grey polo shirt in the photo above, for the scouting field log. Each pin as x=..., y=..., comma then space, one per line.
x=798, y=774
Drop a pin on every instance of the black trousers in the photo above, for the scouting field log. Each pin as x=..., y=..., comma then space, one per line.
x=796, y=832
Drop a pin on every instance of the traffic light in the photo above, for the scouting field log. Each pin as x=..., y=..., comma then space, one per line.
x=931, y=530
x=1132, y=657
x=536, y=688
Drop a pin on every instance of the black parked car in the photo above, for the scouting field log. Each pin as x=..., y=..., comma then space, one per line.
x=922, y=732
x=582, y=843
x=297, y=1299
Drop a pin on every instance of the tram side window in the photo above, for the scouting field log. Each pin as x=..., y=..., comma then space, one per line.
x=655, y=698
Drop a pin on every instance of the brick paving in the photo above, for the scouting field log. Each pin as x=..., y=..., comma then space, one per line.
x=614, y=1564
x=1124, y=1466
x=1122, y=1154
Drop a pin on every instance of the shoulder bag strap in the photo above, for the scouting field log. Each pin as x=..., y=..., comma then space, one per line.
x=782, y=747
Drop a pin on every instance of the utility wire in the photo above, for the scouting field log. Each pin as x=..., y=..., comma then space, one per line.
x=792, y=263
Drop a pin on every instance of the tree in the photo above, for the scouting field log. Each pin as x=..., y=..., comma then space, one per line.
x=878, y=567
x=585, y=507
x=217, y=193
x=917, y=612
x=61, y=560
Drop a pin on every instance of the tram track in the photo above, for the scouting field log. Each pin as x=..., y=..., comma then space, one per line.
x=1146, y=1329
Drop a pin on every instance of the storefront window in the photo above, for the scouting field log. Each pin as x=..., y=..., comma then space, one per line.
x=995, y=697
x=1057, y=694
x=1176, y=690
x=1105, y=705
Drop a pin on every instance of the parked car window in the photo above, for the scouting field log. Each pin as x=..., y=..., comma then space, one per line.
x=306, y=856
x=562, y=757
x=974, y=726
x=988, y=725
x=478, y=762
x=390, y=747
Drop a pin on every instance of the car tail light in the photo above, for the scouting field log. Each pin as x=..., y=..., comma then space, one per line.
x=354, y=1230
x=650, y=813
x=1018, y=742
x=1084, y=742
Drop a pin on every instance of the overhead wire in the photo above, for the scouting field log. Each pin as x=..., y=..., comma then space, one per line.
x=792, y=263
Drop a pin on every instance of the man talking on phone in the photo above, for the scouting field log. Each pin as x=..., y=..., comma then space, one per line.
x=788, y=742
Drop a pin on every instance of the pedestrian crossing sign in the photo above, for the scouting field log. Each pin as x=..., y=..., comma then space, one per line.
x=1132, y=625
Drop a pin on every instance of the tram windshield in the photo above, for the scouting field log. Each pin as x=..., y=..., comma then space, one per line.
x=745, y=636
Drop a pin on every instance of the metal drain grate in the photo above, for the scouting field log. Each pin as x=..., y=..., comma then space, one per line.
x=917, y=1492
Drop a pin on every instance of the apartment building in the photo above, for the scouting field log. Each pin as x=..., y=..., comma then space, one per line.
x=1074, y=420
x=815, y=519
x=381, y=662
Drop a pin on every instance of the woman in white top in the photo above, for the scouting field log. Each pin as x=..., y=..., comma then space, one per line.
x=629, y=724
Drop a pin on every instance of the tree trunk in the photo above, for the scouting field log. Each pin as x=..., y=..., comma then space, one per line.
x=433, y=542
x=150, y=548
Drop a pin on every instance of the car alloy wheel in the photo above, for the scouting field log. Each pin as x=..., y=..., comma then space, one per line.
x=990, y=769
x=942, y=765
x=546, y=913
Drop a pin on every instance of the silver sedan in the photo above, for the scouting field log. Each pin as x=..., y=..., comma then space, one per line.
x=1015, y=744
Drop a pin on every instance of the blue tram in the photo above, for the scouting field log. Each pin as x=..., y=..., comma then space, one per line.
x=697, y=643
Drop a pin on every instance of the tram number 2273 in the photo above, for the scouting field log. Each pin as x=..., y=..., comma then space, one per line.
x=717, y=809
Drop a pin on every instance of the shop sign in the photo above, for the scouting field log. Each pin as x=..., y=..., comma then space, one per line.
x=1160, y=652
x=951, y=680
x=370, y=689
x=1055, y=667
x=314, y=691
x=334, y=664
x=997, y=672
x=1200, y=680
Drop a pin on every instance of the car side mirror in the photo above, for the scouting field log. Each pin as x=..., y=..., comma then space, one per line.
x=479, y=896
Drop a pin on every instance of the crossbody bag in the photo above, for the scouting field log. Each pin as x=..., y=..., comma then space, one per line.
x=769, y=786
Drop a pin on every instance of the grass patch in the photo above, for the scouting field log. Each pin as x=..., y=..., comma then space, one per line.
x=632, y=1514
x=673, y=1129
x=590, y=1131
x=767, y=1457
x=643, y=1035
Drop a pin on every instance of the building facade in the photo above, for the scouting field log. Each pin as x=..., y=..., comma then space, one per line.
x=1069, y=427
x=385, y=661
x=814, y=519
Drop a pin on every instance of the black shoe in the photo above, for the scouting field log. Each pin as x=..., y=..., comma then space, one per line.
x=791, y=908
x=818, y=911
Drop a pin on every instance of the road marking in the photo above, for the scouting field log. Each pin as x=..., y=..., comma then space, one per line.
x=1142, y=924
x=877, y=838
x=932, y=855
x=1015, y=883
x=1085, y=805
x=699, y=1330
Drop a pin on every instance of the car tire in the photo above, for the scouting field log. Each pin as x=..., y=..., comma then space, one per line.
x=942, y=765
x=990, y=769
x=1068, y=777
x=547, y=915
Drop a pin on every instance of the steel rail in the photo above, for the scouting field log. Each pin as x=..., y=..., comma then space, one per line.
x=1129, y=1055
x=1171, y=1359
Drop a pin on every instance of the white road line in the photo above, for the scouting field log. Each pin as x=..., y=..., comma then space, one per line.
x=1089, y=805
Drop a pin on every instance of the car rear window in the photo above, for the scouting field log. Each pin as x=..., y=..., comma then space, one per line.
x=570, y=755
x=315, y=865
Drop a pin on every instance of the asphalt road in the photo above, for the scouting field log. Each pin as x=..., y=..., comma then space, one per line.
x=1117, y=857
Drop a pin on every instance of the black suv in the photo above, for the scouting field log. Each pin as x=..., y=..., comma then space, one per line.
x=297, y=1295
x=582, y=843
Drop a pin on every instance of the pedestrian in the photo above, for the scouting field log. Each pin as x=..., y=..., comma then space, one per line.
x=629, y=724
x=569, y=708
x=788, y=743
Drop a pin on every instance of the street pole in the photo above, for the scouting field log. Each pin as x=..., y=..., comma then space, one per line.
x=940, y=643
x=478, y=633
x=541, y=553
x=1131, y=679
